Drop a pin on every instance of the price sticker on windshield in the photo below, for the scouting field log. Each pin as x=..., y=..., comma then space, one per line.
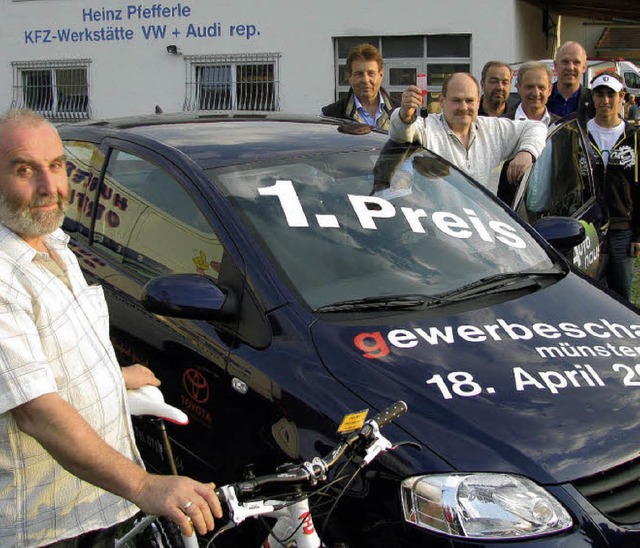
x=353, y=422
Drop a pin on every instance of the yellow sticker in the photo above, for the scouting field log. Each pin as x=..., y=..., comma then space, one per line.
x=353, y=421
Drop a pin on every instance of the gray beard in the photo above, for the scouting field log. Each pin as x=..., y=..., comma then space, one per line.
x=24, y=223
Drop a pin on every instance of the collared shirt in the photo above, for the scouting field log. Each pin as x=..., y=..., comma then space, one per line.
x=561, y=106
x=493, y=140
x=520, y=115
x=363, y=113
x=54, y=338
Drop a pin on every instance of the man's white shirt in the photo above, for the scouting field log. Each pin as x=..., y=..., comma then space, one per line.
x=492, y=141
x=520, y=115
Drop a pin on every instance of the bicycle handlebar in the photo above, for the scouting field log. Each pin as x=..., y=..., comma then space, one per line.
x=390, y=413
x=309, y=471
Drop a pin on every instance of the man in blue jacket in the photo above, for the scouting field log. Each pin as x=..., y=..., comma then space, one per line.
x=568, y=94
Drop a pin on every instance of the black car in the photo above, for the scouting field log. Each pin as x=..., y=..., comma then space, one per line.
x=562, y=183
x=280, y=273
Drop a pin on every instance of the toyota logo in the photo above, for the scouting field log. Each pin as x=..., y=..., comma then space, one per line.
x=195, y=385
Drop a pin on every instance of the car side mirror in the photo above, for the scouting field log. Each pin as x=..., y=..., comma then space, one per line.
x=189, y=296
x=563, y=233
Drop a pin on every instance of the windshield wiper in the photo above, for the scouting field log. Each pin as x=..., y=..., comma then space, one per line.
x=384, y=302
x=507, y=281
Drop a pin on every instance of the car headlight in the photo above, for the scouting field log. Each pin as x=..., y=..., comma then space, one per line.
x=482, y=506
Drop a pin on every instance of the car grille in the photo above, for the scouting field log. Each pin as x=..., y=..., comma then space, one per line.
x=615, y=492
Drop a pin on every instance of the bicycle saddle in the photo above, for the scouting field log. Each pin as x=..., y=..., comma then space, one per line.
x=148, y=400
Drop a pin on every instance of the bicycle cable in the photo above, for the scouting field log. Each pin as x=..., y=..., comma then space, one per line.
x=338, y=498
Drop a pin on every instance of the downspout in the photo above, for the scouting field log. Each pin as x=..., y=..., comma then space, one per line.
x=558, y=34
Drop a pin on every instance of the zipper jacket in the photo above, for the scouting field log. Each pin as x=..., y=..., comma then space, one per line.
x=619, y=181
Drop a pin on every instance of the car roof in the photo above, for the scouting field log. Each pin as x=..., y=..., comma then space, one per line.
x=215, y=140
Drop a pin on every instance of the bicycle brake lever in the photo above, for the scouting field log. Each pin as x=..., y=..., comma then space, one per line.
x=380, y=444
x=412, y=444
x=238, y=512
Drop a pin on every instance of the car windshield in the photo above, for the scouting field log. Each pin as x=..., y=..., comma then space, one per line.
x=368, y=224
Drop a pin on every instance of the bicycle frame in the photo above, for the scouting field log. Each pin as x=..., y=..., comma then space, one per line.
x=295, y=525
x=148, y=521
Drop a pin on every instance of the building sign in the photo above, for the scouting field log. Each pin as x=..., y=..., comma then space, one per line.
x=138, y=22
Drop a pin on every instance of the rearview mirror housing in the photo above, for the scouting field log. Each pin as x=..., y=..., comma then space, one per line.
x=189, y=296
x=563, y=233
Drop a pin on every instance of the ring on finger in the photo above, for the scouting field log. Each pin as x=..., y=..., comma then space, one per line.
x=187, y=505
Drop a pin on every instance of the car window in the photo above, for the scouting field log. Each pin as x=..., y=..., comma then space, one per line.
x=559, y=181
x=632, y=80
x=353, y=225
x=149, y=222
x=84, y=161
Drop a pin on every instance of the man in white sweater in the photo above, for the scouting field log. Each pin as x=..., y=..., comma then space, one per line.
x=477, y=145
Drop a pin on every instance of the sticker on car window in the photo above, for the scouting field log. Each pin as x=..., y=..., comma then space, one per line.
x=460, y=225
x=586, y=256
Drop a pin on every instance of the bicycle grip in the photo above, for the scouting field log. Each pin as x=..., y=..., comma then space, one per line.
x=391, y=413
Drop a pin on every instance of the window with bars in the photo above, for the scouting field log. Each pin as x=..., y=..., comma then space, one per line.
x=233, y=82
x=436, y=55
x=59, y=90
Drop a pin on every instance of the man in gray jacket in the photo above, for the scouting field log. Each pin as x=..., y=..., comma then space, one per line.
x=477, y=145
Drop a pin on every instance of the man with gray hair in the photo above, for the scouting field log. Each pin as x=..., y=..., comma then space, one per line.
x=70, y=471
x=534, y=83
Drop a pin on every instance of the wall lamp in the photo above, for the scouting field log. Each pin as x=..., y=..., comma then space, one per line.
x=173, y=50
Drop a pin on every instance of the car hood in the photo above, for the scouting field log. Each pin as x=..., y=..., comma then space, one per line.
x=544, y=385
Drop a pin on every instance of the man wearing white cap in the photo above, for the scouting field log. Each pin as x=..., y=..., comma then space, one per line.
x=614, y=152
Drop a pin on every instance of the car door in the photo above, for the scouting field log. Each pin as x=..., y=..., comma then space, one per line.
x=561, y=183
x=135, y=216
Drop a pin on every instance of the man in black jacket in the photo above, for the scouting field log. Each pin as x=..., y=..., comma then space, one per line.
x=614, y=152
x=367, y=102
x=496, y=85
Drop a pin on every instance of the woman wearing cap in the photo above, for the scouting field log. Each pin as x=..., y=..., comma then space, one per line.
x=614, y=151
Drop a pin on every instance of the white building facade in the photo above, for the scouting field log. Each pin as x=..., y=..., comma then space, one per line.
x=79, y=59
